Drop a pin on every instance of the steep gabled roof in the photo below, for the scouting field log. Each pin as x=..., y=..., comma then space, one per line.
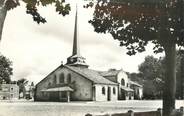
x=91, y=75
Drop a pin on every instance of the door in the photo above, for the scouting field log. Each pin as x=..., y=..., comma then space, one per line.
x=123, y=94
x=94, y=93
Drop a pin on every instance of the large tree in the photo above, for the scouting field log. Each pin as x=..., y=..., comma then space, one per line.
x=31, y=8
x=152, y=71
x=135, y=23
x=6, y=69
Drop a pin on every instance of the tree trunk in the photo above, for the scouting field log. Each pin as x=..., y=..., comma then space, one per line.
x=170, y=80
x=182, y=77
x=3, y=12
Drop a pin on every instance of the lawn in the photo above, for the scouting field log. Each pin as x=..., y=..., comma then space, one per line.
x=20, y=108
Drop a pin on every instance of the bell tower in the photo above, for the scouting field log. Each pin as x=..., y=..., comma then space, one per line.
x=76, y=59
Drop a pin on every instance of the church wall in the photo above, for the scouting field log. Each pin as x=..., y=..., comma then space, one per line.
x=104, y=97
x=82, y=86
x=122, y=75
x=43, y=85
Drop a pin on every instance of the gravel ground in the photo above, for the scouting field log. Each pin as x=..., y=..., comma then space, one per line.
x=30, y=108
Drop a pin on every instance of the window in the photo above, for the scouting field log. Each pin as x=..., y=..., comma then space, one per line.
x=127, y=84
x=103, y=90
x=55, y=79
x=61, y=78
x=69, y=78
x=11, y=89
x=123, y=82
x=114, y=90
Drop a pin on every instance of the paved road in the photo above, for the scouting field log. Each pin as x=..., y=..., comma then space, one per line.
x=22, y=108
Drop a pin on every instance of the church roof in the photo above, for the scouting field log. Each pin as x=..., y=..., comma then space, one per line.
x=91, y=75
x=65, y=88
x=109, y=73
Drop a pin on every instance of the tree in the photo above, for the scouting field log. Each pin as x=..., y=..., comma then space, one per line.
x=152, y=70
x=135, y=23
x=6, y=69
x=22, y=83
x=180, y=75
x=31, y=8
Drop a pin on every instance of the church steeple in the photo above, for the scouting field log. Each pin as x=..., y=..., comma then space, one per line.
x=76, y=59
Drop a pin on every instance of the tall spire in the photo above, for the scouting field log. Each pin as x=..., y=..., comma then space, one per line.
x=76, y=49
x=76, y=59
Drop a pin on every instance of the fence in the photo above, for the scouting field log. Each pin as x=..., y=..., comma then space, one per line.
x=177, y=112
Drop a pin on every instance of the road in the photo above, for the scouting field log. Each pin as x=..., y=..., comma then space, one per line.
x=28, y=108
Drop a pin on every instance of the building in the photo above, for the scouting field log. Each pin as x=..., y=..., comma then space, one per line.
x=127, y=89
x=9, y=91
x=74, y=81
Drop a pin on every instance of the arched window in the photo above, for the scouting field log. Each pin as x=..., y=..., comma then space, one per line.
x=103, y=90
x=69, y=78
x=114, y=90
x=61, y=78
x=123, y=82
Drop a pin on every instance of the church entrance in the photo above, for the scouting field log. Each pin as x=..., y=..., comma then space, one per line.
x=109, y=94
x=123, y=95
x=54, y=96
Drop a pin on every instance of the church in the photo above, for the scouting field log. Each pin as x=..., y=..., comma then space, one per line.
x=74, y=81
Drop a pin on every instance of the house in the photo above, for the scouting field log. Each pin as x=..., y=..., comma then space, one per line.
x=9, y=91
x=74, y=81
x=120, y=77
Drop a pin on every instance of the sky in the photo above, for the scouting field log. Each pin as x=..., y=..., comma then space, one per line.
x=36, y=50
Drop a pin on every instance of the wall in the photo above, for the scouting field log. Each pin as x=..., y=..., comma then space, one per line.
x=9, y=91
x=82, y=86
x=122, y=75
x=140, y=92
x=103, y=97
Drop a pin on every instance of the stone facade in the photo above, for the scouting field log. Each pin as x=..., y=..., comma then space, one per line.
x=9, y=91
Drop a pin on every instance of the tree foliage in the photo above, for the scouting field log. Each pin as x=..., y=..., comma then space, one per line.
x=32, y=7
x=136, y=22
x=6, y=69
x=152, y=68
x=22, y=83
